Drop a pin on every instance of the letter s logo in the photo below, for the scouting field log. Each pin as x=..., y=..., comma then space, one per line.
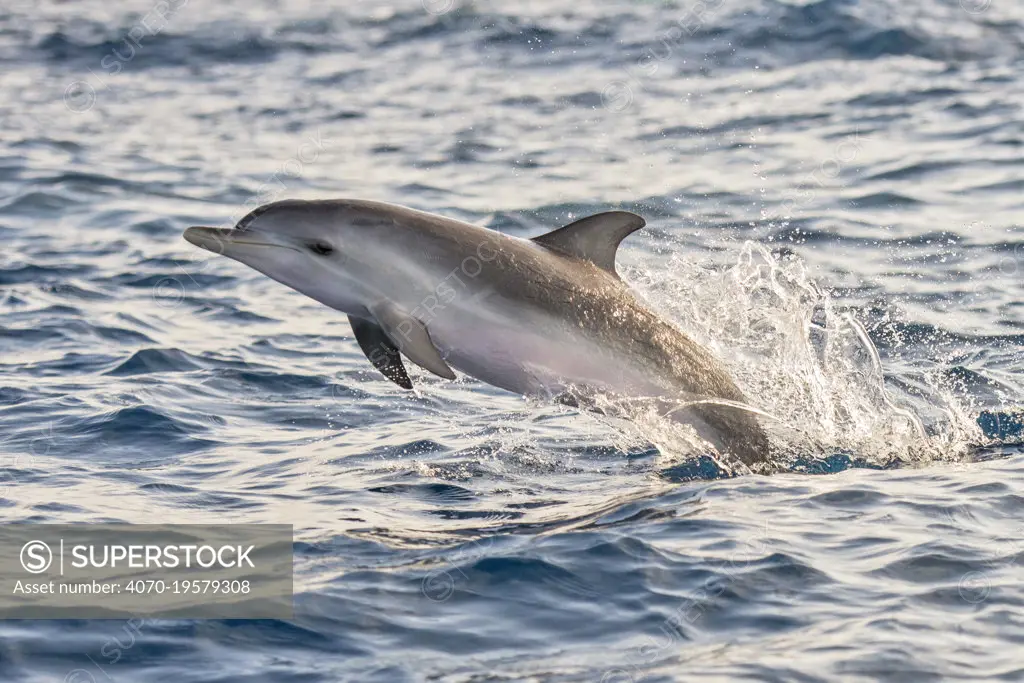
x=36, y=557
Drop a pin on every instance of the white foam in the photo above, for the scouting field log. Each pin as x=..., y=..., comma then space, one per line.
x=803, y=359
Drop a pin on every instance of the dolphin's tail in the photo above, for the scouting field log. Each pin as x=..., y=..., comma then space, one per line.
x=730, y=426
x=735, y=430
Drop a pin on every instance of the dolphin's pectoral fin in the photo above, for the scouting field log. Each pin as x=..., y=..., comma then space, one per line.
x=594, y=238
x=380, y=350
x=411, y=337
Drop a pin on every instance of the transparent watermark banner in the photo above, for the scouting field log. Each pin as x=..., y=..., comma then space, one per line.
x=116, y=571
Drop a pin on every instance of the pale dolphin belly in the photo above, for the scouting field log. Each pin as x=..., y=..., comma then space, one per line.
x=533, y=353
x=542, y=358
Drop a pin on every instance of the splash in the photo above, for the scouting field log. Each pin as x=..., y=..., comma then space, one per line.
x=804, y=361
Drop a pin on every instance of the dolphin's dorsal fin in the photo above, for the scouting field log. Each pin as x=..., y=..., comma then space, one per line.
x=594, y=238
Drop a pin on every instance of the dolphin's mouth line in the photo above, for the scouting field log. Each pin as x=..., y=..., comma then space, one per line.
x=261, y=244
x=217, y=240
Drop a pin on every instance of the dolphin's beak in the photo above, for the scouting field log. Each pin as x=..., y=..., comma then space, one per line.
x=222, y=240
x=211, y=239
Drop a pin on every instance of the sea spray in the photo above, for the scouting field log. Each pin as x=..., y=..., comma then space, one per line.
x=806, y=360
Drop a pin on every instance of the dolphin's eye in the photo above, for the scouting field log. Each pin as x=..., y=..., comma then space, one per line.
x=321, y=248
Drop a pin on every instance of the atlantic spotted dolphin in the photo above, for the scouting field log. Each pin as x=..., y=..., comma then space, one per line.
x=547, y=316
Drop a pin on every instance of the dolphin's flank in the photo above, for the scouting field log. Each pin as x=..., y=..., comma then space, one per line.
x=544, y=317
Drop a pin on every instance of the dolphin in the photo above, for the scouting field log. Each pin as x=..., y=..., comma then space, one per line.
x=546, y=317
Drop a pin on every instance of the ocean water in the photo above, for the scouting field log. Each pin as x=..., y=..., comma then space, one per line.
x=833, y=192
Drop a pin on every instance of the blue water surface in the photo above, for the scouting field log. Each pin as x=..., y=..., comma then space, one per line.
x=460, y=533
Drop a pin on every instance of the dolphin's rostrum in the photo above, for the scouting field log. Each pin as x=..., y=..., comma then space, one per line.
x=544, y=317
